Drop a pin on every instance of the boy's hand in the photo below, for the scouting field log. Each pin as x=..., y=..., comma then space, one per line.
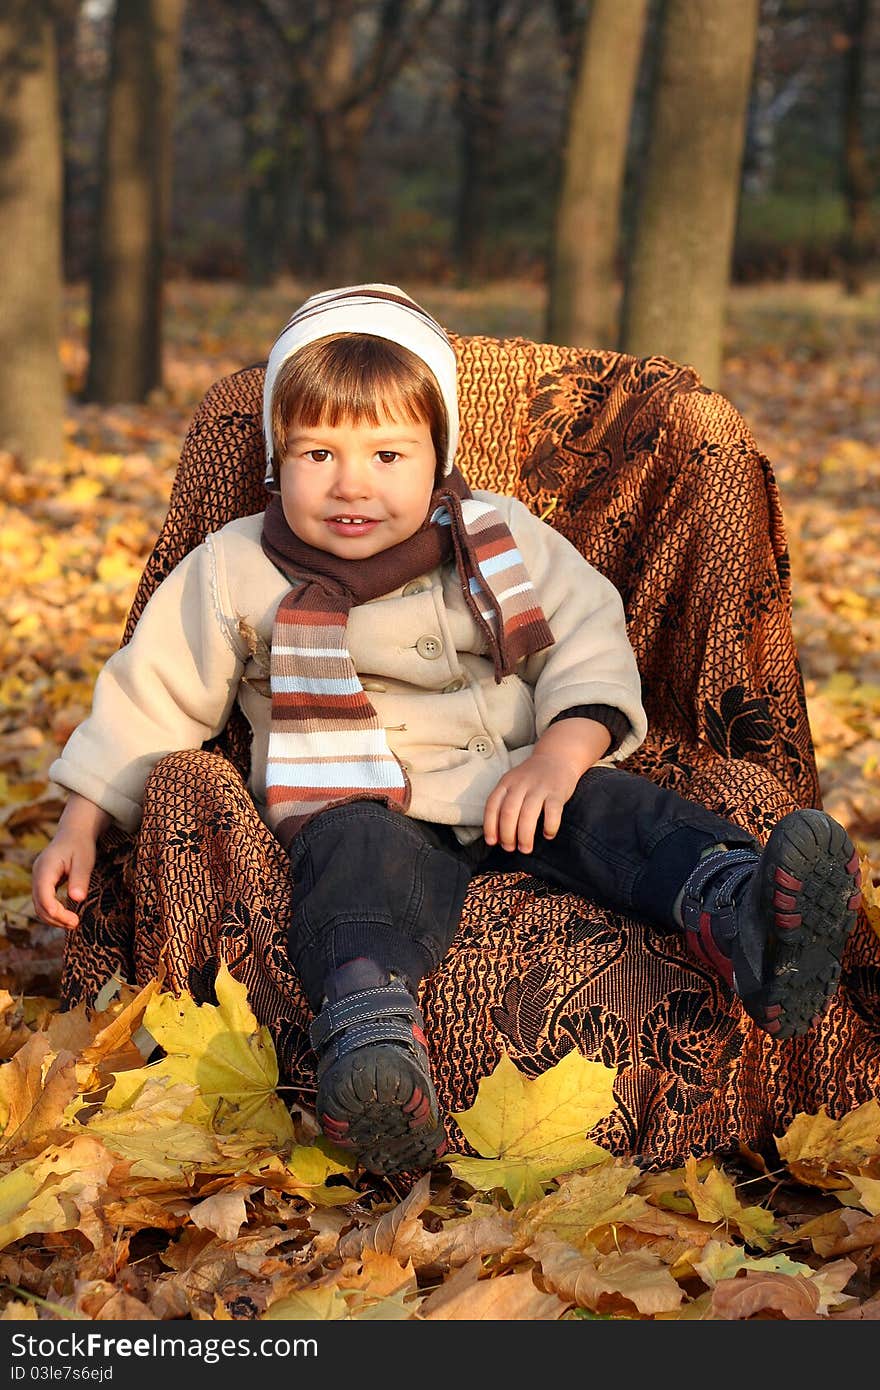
x=69, y=855
x=542, y=784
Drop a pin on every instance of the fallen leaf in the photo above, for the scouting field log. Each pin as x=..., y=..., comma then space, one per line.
x=510, y=1298
x=715, y=1201
x=816, y=1148
x=223, y=1053
x=791, y=1296
x=225, y=1213
x=636, y=1280
x=531, y=1130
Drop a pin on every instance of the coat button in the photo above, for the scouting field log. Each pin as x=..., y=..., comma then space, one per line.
x=453, y=686
x=415, y=586
x=430, y=647
x=481, y=744
x=378, y=686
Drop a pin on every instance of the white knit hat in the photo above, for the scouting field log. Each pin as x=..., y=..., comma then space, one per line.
x=383, y=311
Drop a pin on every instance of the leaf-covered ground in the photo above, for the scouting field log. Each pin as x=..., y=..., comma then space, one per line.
x=132, y=1192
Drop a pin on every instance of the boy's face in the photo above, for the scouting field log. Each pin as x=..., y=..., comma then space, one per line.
x=356, y=489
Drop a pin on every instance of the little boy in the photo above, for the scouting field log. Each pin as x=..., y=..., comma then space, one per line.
x=452, y=688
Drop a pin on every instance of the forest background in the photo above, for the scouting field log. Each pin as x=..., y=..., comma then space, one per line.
x=178, y=176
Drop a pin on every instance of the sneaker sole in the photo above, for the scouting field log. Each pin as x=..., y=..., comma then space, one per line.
x=375, y=1102
x=809, y=896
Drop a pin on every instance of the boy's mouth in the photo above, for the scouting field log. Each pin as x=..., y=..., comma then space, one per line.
x=351, y=525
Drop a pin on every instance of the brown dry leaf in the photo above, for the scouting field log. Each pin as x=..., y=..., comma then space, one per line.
x=225, y=1213
x=36, y=1086
x=464, y=1297
x=397, y=1232
x=16, y=1311
x=112, y=1049
x=789, y=1296
x=123, y=1308
x=14, y=1032
x=867, y=1311
x=70, y=1030
x=378, y=1274
x=376, y=1289
x=634, y=1281
x=853, y=1230
x=487, y=1230
x=205, y=1266
x=328, y=1226
x=721, y=1263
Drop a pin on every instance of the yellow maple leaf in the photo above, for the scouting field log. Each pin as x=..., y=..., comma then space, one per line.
x=865, y=1193
x=152, y=1133
x=532, y=1130
x=715, y=1200
x=816, y=1148
x=314, y=1305
x=584, y=1202
x=221, y=1051
x=53, y=1191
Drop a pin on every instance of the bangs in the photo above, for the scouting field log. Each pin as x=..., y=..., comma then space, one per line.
x=355, y=378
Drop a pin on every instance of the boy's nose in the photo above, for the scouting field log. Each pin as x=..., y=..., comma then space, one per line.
x=352, y=479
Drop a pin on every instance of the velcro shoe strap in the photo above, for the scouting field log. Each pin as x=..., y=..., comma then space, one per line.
x=734, y=864
x=384, y=1002
x=368, y=1033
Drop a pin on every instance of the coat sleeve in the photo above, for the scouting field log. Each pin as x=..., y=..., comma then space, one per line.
x=591, y=661
x=172, y=686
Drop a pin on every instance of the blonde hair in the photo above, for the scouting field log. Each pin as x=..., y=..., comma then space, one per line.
x=351, y=377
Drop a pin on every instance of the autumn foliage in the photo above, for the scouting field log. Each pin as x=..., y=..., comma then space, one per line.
x=149, y=1166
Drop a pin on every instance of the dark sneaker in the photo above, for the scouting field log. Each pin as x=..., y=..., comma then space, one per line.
x=774, y=924
x=375, y=1092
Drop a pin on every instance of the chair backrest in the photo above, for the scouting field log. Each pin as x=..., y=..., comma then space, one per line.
x=658, y=482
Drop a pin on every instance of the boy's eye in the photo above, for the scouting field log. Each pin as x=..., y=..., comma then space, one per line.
x=314, y=455
x=388, y=455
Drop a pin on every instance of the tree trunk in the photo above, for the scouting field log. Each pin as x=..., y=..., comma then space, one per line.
x=125, y=341
x=857, y=173
x=31, y=383
x=583, y=269
x=679, y=267
x=479, y=106
x=66, y=14
x=339, y=141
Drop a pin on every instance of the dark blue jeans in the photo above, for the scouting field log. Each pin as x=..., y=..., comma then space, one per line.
x=368, y=881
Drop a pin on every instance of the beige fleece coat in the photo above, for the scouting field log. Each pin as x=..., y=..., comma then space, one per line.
x=202, y=643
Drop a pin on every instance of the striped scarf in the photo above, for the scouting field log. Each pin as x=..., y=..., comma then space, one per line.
x=326, y=744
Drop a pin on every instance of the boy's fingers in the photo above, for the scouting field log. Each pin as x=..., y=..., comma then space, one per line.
x=79, y=877
x=552, y=817
x=55, y=914
x=508, y=821
x=491, y=813
x=528, y=822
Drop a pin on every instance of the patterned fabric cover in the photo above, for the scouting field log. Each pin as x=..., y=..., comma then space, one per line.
x=659, y=483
